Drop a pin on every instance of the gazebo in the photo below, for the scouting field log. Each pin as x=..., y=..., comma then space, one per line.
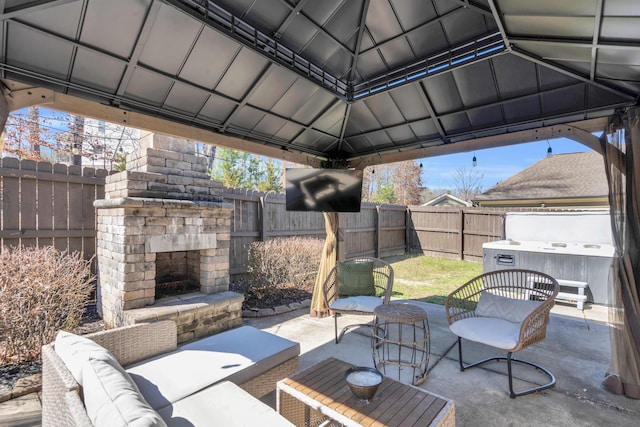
x=353, y=83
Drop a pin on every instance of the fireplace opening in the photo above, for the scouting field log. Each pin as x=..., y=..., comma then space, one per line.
x=177, y=273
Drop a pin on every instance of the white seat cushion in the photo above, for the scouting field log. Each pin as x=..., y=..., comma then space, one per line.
x=491, y=331
x=359, y=303
x=223, y=404
x=112, y=399
x=236, y=355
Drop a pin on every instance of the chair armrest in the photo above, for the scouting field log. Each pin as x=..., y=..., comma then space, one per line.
x=130, y=344
x=534, y=327
x=462, y=302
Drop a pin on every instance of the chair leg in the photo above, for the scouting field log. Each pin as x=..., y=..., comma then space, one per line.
x=509, y=360
x=346, y=328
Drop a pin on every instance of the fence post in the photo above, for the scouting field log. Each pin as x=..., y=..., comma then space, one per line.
x=461, y=229
x=263, y=218
x=378, y=226
x=407, y=230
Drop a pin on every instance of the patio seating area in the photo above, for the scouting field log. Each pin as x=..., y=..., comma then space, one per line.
x=576, y=350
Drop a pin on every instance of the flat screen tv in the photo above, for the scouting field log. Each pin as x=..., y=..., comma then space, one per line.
x=323, y=190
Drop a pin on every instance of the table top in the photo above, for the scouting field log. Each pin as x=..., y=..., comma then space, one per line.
x=323, y=387
x=402, y=312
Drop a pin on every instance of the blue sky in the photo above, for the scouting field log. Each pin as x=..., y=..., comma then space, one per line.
x=495, y=164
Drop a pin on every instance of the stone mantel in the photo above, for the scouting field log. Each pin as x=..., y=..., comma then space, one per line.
x=141, y=202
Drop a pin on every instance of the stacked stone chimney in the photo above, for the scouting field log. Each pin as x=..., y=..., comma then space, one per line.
x=164, y=206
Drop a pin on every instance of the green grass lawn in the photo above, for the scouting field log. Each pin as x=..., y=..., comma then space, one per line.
x=429, y=279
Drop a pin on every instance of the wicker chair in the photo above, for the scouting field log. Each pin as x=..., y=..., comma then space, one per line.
x=381, y=281
x=506, y=309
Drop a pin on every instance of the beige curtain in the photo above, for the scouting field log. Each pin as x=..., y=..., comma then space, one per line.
x=621, y=148
x=327, y=262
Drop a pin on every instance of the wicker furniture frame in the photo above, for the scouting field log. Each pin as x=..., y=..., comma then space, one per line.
x=514, y=284
x=61, y=395
x=383, y=283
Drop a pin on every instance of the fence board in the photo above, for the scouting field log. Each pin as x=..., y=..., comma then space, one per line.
x=11, y=202
x=45, y=202
x=61, y=206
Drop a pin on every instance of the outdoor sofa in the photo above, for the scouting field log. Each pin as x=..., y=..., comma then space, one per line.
x=137, y=375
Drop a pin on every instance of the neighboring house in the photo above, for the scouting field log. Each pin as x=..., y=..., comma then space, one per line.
x=575, y=180
x=447, y=200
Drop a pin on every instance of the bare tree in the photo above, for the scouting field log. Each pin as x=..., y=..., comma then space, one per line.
x=467, y=183
x=408, y=182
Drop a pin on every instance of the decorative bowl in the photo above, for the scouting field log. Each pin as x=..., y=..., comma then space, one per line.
x=363, y=382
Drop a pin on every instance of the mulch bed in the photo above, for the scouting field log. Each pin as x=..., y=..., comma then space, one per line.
x=268, y=296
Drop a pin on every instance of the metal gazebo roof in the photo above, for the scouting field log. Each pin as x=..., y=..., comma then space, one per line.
x=331, y=83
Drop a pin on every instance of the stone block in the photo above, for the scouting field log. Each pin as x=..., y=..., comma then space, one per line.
x=163, y=170
x=165, y=221
x=5, y=393
x=282, y=309
x=180, y=180
x=177, y=164
x=163, y=153
x=26, y=385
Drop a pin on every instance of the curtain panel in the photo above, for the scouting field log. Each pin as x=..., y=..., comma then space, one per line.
x=327, y=262
x=621, y=151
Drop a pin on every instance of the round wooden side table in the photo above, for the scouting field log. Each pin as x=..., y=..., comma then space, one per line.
x=400, y=341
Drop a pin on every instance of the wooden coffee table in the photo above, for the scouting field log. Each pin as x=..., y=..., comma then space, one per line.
x=320, y=393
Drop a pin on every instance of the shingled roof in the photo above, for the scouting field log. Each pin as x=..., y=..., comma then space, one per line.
x=574, y=175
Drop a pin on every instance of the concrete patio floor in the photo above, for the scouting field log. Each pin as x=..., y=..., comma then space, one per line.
x=576, y=350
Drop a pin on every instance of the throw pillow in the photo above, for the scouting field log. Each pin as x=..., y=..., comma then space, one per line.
x=513, y=310
x=355, y=278
x=113, y=400
x=75, y=351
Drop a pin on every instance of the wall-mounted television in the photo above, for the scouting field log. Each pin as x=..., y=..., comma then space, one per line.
x=323, y=190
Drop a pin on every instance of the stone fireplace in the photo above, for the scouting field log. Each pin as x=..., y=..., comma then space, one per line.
x=163, y=229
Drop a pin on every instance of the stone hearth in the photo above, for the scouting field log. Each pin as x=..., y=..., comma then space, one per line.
x=165, y=208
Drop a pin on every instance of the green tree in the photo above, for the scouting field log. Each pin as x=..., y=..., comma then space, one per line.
x=272, y=178
x=385, y=194
x=237, y=169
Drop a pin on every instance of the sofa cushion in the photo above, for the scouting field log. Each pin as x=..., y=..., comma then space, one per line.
x=236, y=355
x=360, y=303
x=355, y=278
x=224, y=404
x=491, y=331
x=112, y=399
x=513, y=310
x=75, y=351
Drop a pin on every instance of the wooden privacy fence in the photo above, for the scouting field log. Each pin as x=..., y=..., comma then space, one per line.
x=378, y=230
x=44, y=204
x=49, y=205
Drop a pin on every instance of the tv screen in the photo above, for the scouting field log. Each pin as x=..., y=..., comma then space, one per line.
x=323, y=190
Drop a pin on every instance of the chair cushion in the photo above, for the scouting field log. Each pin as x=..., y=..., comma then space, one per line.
x=237, y=355
x=511, y=309
x=75, y=351
x=361, y=303
x=224, y=404
x=112, y=399
x=355, y=278
x=491, y=331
